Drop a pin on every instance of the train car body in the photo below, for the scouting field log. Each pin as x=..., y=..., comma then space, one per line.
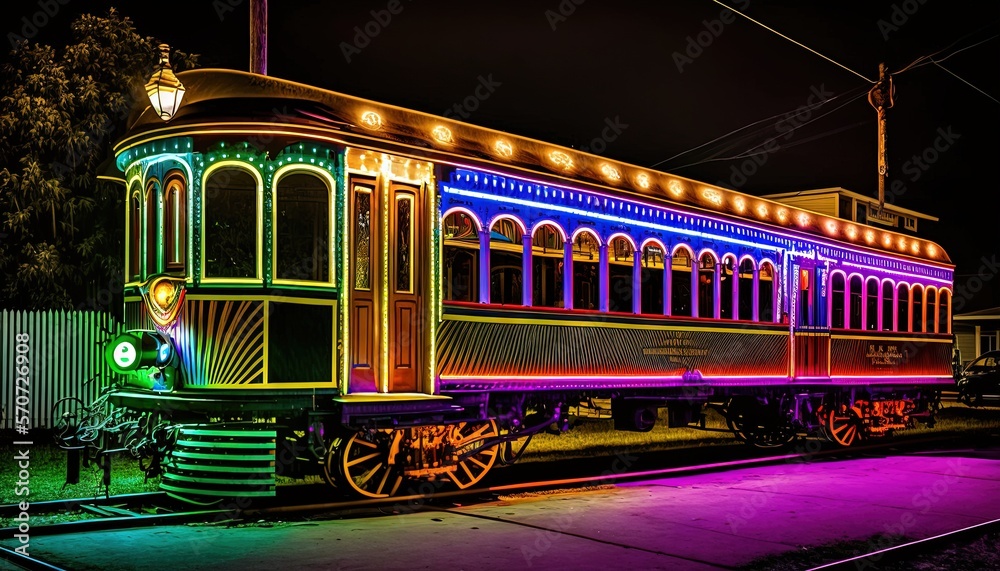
x=384, y=295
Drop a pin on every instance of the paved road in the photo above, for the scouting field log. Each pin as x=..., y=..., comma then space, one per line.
x=707, y=521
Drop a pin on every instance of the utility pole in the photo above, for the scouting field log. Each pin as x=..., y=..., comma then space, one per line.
x=881, y=98
x=258, y=36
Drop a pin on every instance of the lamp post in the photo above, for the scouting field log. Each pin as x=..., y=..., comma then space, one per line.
x=164, y=89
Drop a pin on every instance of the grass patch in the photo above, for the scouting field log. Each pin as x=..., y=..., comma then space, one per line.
x=595, y=437
x=980, y=553
x=47, y=470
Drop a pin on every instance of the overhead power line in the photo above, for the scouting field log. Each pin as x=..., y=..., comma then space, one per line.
x=964, y=81
x=800, y=44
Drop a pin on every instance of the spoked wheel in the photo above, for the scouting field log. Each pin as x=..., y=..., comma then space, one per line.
x=468, y=437
x=367, y=462
x=67, y=415
x=843, y=425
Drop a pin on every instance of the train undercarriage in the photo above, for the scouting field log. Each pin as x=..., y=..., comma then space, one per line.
x=238, y=451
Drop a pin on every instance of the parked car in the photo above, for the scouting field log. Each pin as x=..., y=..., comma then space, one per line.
x=980, y=381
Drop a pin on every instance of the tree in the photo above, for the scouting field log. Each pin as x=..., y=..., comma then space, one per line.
x=61, y=229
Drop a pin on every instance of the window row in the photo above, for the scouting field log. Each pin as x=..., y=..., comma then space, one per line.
x=868, y=304
x=546, y=268
x=232, y=222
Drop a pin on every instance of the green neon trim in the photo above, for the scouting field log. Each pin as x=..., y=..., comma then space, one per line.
x=266, y=457
x=244, y=445
x=200, y=492
x=237, y=469
x=237, y=433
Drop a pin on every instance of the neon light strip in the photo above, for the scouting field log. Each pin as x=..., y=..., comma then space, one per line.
x=895, y=272
x=654, y=226
x=780, y=232
x=603, y=378
x=810, y=237
x=244, y=127
x=606, y=217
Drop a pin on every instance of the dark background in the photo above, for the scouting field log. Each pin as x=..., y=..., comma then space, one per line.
x=618, y=61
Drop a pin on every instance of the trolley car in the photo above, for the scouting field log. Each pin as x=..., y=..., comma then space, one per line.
x=318, y=282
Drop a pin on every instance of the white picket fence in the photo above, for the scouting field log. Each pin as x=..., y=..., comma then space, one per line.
x=64, y=354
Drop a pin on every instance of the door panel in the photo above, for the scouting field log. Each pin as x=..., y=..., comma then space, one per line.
x=404, y=295
x=363, y=287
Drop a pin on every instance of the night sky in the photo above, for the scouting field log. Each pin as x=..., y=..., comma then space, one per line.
x=671, y=78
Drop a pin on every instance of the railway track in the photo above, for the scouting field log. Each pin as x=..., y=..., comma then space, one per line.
x=300, y=500
x=157, y=508
x=911, y=549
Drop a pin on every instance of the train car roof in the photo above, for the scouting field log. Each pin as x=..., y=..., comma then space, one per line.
x=228, y=102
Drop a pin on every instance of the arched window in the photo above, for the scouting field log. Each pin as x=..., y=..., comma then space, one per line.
x=586, y=271
x=746, y=289
x=302, y=228
x=547, y=255
x=652, y=279
x=621, y=260
x=706, y=286
x=765, y=293
x=134, y=270
x=931, y=310
x=152, y=229
x=727, y=281
x=837, y=300
x=855, y=300
x=871, y=304
x=903, y=308
x=944, y=311
x=680, y=282
x=175, y=224
x=231, y=224
x=918, y=309
x=460, y=258
x=506, y=259
x=888, y=311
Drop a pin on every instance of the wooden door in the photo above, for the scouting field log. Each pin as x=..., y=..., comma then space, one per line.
x=404, y=281
x=364, y=286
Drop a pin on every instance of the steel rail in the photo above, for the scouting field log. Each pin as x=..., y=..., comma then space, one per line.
x=911, y=549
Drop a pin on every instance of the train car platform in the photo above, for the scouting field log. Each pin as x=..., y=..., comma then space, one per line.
x=699, y=522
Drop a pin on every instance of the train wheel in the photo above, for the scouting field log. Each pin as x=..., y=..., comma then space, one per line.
x=466, y=438
x=843, y=426
x=367, y=462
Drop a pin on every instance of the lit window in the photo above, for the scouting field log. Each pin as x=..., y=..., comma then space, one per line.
x=302, y=228
x=175, y=224
x=230, y=227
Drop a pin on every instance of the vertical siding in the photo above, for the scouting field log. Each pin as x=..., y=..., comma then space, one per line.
x=65, y=352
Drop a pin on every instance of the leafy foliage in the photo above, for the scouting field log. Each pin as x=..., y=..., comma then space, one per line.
x=61, y=229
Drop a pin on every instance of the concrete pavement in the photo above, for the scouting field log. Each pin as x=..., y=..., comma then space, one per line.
x=708, y=521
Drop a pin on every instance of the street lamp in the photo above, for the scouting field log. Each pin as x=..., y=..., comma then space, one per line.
x=164, y=89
